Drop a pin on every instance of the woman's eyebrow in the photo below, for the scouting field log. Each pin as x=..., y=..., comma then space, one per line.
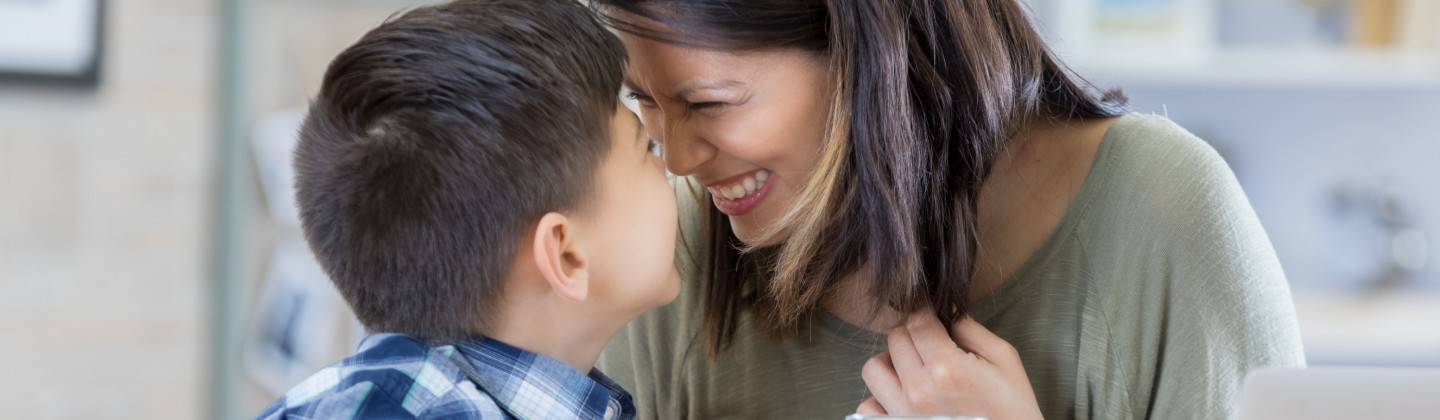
x=685, y=92
x=689, y=89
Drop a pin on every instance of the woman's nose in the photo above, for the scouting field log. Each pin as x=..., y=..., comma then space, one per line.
x=685, y=151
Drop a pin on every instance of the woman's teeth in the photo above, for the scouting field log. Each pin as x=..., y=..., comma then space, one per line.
x=741, y=188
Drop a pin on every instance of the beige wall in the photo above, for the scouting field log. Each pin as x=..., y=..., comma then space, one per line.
x=105, y=208
x=102, y=226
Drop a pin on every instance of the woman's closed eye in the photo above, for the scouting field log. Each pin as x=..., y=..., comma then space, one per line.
x=701, y=106
x=649, y=102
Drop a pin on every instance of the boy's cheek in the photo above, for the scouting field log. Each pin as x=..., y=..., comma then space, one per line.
x=671, y=287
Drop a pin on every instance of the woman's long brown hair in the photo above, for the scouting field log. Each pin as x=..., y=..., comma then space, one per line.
x=926, y=95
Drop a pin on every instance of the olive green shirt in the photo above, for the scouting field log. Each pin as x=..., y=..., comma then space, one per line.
x=1156, y=295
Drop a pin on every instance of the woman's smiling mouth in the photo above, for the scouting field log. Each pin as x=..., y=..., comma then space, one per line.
x=739, y=194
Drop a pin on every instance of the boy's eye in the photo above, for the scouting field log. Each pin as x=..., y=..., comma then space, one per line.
x=641, y=98
x=654, y=148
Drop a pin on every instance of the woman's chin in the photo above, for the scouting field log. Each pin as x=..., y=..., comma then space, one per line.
x=749, y=234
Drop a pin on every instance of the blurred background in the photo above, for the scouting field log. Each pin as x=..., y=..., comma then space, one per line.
x=150, y=264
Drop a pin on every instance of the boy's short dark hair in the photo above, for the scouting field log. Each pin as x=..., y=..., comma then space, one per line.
x=437, y=140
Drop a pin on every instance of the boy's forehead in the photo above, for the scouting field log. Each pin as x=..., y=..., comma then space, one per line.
x=627, y=126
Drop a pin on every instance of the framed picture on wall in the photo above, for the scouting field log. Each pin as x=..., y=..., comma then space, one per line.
x=51, y=40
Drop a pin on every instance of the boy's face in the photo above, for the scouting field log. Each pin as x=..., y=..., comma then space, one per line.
x=633, y=223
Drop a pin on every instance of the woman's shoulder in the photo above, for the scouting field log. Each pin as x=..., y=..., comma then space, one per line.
x=1155, y=177
x=1159, y=193
x=1142, y=150
x=1173, y=225
x=1183, y=270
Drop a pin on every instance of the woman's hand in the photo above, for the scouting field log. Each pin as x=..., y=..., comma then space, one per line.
x=963, y=371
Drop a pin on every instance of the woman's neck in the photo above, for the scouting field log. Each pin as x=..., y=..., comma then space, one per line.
x=1032, y=186
x=853, y=303
x=1034, y=182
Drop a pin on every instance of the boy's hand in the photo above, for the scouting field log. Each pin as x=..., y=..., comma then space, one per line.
x=966, y=371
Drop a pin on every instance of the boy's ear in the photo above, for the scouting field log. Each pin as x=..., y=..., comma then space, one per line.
x=559, y=258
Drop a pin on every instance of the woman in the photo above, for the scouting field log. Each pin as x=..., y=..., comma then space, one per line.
x=909, y=207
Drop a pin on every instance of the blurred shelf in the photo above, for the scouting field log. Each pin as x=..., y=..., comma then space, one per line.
x=1268, y=68
x=1391, y=329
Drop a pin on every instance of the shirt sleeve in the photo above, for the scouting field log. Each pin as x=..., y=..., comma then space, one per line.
x=1214, y=303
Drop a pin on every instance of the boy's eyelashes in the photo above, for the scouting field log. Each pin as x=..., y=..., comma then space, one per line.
x=641, y=98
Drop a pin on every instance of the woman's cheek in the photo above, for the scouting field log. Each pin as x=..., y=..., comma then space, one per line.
x=749, y=143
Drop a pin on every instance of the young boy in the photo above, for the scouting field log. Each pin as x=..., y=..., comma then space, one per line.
x=472, y=186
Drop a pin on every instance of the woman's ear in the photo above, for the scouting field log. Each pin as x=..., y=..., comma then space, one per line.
x=560, y=259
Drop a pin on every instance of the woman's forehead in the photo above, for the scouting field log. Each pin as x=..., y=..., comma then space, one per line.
x=657, y=64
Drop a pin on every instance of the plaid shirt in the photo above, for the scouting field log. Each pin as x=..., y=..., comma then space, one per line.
x=394, y=376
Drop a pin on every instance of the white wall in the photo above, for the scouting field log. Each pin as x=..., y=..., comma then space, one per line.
x=1292, y=148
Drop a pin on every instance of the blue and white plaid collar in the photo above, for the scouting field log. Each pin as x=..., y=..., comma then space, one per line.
x=533, y=386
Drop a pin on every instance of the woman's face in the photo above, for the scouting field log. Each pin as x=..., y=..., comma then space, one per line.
x=748, y=126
